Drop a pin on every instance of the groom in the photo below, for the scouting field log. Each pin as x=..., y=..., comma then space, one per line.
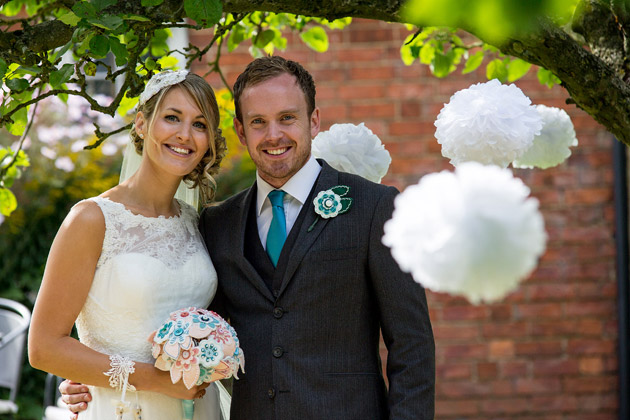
x=308, y=302
x=307, y=295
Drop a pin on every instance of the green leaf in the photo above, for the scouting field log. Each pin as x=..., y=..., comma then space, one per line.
x=8, y=203
x=168, y=62
x=109, y=22
x=12, y=8
x=19, y=122
x=517, y=68
x=119, y=50
x=89, y=69
x=407, y=55
x=103, y=4
x=279, y=41
x=60, y=52
x=204, y=12
x=136, y=18
x=427, y=52
x=159, y=46
x=473, y=62
x=3, y=68
x=69, y=18
x=61, y=76
x=442, y=63
x=237, y=36
x=99, y=45
x=340, y=190
x=151, y=3
x=345, y=204
x=547, y=78
x=126, y=105
x=150, y=64
x=29, y=70
x=17, y=84
x=339, y=23
x=84, y=10
x=264, y=38
x=316, y=38
x=22, y=159
x=496, y=70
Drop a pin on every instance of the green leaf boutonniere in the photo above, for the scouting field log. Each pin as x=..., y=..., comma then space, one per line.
x=330, y=203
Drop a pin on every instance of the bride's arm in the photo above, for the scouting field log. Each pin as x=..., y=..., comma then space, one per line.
x=64, y=289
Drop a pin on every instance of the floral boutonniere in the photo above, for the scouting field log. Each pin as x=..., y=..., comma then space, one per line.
x=331, y=202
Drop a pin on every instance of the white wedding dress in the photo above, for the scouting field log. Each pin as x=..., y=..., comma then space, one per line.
x=148, y=268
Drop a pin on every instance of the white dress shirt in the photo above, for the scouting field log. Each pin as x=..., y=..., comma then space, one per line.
x=297, y=189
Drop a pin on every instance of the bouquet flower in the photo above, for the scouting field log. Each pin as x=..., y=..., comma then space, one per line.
x=196, y=345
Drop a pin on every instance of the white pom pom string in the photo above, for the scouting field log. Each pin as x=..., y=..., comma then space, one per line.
x=474, y=232
x=490, y=123
x=551, y=147
x=354, y=149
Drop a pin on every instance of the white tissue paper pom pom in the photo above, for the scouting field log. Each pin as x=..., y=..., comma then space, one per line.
x=473, y=232
x=551, y=146
x=353, y=149
x=490, y=123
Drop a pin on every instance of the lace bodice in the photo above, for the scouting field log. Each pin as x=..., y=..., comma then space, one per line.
x=148, y=268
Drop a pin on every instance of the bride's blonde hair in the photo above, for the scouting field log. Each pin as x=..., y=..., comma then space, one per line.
x=203, y=95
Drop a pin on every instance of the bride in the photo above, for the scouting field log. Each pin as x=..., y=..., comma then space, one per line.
x=123, y=261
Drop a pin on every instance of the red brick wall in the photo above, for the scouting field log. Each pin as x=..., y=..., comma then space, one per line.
x=548, y=351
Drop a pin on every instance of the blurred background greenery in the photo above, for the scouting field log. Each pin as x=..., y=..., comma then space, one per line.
x=60, y=175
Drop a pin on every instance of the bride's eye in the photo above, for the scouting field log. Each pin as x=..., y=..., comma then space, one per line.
x=171, y=118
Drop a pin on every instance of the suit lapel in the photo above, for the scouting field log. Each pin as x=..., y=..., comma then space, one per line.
x=328, y=178
x=250, y=271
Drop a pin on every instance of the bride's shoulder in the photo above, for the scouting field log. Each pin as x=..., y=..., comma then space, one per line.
x=86, y=213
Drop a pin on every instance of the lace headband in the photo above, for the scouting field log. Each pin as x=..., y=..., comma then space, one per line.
x=159, y=81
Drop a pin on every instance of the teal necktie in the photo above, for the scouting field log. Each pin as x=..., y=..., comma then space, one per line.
x=278, y=230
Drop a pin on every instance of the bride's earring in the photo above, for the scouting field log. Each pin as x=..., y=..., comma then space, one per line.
x=141, y=135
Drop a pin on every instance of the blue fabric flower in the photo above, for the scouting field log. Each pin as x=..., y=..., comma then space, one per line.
x=164, y=332
x=211, y=353
x=179, y=334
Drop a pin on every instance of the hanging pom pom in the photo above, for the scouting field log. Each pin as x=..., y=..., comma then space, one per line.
x=490, y=123
x=473, y=232
x=353, y=149
x=551, y=146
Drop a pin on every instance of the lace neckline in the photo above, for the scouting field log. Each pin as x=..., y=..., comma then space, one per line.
x=141, y=216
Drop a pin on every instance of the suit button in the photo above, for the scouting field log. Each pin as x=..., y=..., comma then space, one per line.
x=278, y=312
x=277, y=352
x=271, y=393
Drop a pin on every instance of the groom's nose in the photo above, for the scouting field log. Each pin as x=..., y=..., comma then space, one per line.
x=274, y=131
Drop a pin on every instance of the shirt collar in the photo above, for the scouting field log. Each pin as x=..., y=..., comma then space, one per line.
x=298, y=186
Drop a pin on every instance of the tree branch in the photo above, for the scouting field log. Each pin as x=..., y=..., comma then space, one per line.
x=594, y=85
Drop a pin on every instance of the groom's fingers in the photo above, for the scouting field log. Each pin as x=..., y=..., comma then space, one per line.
x=76, y=409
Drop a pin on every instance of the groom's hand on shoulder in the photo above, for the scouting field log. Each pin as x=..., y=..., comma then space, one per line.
x=75, y=395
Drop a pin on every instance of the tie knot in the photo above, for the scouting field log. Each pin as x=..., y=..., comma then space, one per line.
x=276, y=197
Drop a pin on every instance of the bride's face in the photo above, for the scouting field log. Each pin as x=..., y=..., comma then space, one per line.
x=178, y=136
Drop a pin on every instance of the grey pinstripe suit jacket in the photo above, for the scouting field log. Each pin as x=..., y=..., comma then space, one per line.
x=312, y=348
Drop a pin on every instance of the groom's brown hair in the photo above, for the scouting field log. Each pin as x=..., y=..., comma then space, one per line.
x=264, y=68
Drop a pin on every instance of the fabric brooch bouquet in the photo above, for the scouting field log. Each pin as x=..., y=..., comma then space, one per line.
x=196, y=345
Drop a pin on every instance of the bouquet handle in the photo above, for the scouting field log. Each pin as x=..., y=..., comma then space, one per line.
x=188, y=408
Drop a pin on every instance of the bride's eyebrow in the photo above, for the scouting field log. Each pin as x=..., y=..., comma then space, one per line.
x=177, y=111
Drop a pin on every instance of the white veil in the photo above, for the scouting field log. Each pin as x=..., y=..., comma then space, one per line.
x=131, y=163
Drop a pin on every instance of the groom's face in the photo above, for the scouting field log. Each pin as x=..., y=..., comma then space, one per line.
x=277, y=128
